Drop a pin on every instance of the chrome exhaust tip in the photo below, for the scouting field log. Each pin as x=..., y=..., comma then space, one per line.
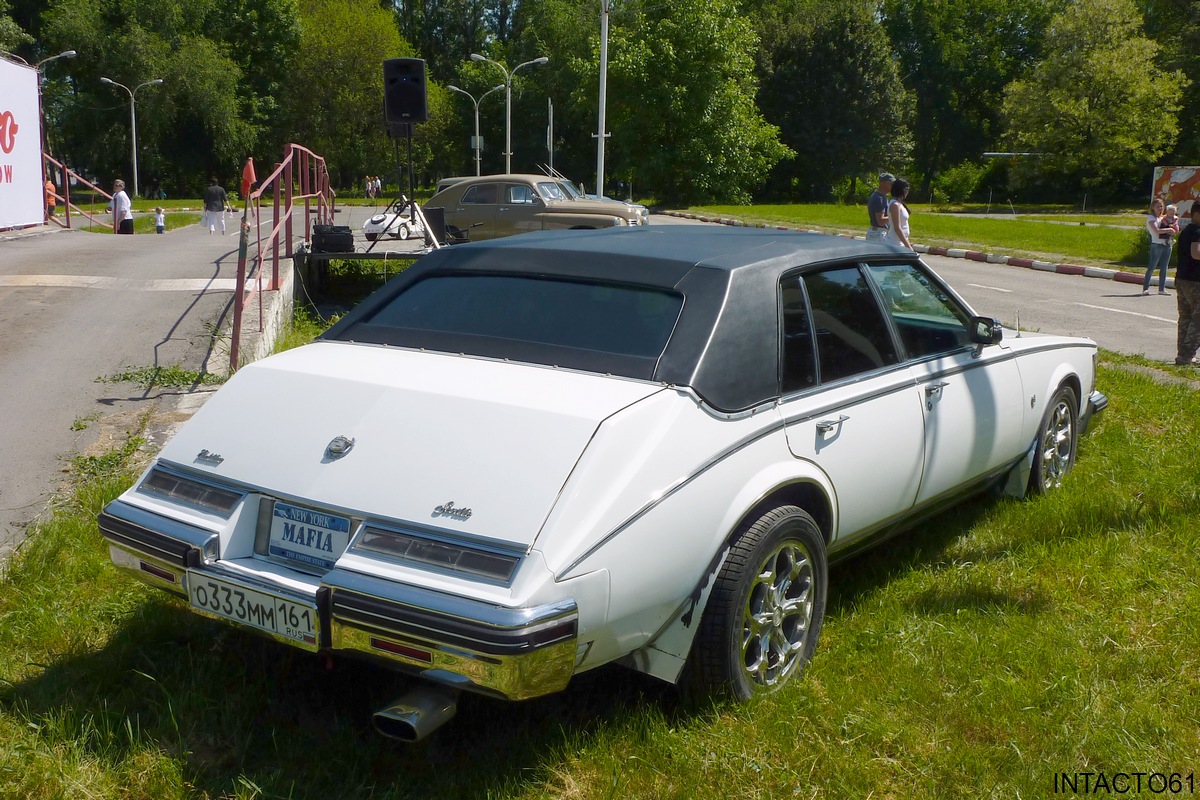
x=417, y=714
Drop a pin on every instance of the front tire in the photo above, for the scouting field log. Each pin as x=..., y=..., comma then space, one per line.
x=1058, y=438
x=404, y=232
x=765, y=611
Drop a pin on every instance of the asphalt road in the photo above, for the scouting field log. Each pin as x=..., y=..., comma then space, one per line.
x=76, y=306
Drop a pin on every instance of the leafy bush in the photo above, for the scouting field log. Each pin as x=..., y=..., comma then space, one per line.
x=959, y=183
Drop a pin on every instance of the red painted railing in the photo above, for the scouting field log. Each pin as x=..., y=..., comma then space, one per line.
x=64, y=178
x=301, y=175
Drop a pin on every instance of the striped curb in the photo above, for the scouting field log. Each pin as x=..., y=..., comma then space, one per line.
x=1103, y=273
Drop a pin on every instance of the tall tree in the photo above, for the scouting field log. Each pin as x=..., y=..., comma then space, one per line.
x=680, y=100
x=11, y=34
x=1097, y=108
x=202, y=120
x=1175, y=26
x=832, y=85
x=957, y=58
x=335, y=97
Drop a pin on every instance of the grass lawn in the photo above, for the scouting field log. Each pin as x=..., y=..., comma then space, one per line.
x=1000, y=645
x=1028, y=235
x=145, y=223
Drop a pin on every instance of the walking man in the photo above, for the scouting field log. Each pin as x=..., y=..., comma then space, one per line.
x=215, y=203
x=877, y=208
x=1187, y=291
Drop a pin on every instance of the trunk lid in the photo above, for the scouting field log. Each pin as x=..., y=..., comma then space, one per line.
x=430, y=430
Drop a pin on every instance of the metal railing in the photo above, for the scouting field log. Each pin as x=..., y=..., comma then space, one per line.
x=300, y=175
x=66, y=175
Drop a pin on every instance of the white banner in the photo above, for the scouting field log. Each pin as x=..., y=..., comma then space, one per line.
x=22, y=191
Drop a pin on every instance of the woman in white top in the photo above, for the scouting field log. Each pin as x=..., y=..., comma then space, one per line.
x=897, y=231
x=122, y=208
x=1160, y=246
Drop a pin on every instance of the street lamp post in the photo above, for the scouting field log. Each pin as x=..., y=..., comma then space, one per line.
x=477, y=144
x=601, y=134
x=133, y=119
x=42, y=139
x=508, y=76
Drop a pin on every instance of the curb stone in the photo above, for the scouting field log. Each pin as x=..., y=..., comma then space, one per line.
x=1102, y=273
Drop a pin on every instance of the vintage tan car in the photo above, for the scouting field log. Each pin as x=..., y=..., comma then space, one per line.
x=493, y=206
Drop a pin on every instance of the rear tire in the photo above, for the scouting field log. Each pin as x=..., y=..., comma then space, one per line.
x=371, y=236
x=1058, y=438
x=766, y=608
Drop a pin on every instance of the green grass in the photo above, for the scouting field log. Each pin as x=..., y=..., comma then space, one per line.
x=145, y=224
x=305, y=326
x=1026, y=235
x=164, y=377
x=998, y=645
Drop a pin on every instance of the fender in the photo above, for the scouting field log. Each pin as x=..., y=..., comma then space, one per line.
x=666, y=654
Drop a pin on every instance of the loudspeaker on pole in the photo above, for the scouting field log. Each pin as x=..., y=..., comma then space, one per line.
x=404, y=97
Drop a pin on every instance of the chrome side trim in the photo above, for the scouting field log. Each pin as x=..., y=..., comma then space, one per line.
x=812, y=413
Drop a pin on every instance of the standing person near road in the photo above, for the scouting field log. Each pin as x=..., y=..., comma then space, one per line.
x=877, y=208
x=215, y=204
x=897, y=229
x=51, y=200
x=122, y=208
x=1187, y=291
x=1162, y=232
x=160, y=220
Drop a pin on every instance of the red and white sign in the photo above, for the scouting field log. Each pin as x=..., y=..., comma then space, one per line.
x=22, y=191
x=1178, y=185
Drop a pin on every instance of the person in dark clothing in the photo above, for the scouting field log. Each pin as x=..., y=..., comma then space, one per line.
x=215, y=204
x=1187, y=291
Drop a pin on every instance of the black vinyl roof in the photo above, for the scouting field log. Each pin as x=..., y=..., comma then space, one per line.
x=725, y=344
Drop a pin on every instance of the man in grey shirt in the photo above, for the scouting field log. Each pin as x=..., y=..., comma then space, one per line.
x=877, y=208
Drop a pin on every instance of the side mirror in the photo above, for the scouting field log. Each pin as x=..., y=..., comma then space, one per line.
x=985, y=330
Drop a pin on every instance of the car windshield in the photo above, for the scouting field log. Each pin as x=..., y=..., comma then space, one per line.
x=551, y=190
x=570, y=189
x=627, y=321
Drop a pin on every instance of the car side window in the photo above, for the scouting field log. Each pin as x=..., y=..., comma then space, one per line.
x=519, y=194
x=852, y=335
x=798, y=362
x=483, y=194
x=929, y=320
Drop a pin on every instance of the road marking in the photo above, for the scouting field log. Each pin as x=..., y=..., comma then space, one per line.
x=1123, y=311
x=126, y=284
x=993, y=288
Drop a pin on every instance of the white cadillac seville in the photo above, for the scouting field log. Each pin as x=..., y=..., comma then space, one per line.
x=526, y=458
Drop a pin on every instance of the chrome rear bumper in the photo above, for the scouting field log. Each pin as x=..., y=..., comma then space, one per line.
x=514, y=653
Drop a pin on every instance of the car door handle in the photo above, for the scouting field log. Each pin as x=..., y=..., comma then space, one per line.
x=933, y=390
x=826, y=425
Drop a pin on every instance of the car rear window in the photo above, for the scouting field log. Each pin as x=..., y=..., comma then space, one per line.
x=619, y=320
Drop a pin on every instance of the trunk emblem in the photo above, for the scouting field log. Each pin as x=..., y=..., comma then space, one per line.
x=451, y=510
x=338, y=447
x=205, y=457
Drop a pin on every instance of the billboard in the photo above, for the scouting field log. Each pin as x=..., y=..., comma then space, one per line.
x=22, y=192
x=1178, y=185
